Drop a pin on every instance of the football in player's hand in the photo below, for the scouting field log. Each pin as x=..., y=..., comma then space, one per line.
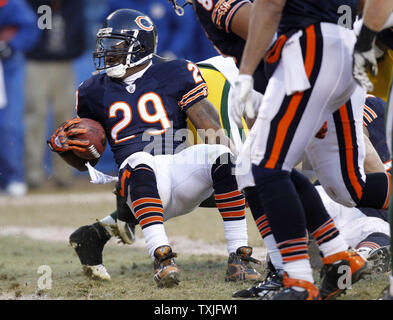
x=96, y=136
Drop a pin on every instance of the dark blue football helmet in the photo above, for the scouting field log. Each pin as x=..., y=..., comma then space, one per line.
x=127, y=38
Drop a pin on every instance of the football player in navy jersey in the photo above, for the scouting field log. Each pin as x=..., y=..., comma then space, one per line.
x=226, y=24
x=143, y=107
x=365, y=229
x=308, y=67
x=377, y=14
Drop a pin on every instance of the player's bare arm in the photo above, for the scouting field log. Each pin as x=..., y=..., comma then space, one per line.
x=376, y=12
x=204, y=116
x=264, y=22
x=240, y=20
x=372, y=161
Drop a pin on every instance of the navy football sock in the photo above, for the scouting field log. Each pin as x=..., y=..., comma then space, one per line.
x=284, y=210
x=376, y=191
x=315, y=211
x=145, y=199
x=230, y=202
x=375, y=240
x=257, y=211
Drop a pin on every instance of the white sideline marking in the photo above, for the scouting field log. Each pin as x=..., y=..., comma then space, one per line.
x=181, y=245
x=52, y=199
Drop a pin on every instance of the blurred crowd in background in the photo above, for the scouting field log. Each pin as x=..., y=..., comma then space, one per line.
x=45, y=53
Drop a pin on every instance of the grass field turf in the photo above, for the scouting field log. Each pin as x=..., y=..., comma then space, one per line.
x=130, y=267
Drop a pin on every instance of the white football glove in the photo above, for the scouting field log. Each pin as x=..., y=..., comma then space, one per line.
x=242, y=98
x=362, y=60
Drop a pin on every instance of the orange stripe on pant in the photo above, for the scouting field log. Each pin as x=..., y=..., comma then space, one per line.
x=293, y=106
x=349, y=151
x=386, y=204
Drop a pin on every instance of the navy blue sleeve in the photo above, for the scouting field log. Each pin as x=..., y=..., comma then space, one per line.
x=374, y=108
x=83, y=105
x=192, y=86
x=222, y=11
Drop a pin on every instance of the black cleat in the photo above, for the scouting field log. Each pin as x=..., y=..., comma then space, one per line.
x=292, y=294
x=310, y=291
x=263, y=289
x=336, y=266
x=88, y=242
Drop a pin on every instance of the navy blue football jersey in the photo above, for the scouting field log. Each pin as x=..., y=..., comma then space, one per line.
x=298, y=14
x=215, y=17
x=374, y=121
x=146, y=115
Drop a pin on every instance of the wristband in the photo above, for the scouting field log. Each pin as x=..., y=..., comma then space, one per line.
x=366, y=39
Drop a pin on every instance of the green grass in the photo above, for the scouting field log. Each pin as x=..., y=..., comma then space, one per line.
x=130, y=267
x=131, y=270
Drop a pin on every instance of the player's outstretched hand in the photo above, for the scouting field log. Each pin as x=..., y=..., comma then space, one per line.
x=64, y=137
x=362, y=61
x=364, y=58
x=242, y=97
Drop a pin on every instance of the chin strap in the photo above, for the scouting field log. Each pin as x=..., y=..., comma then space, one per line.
x=117, y=71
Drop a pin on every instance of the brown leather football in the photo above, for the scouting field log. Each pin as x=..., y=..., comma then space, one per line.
x=96, y=136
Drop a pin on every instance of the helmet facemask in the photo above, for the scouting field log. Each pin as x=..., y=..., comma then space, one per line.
x=116, y=53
